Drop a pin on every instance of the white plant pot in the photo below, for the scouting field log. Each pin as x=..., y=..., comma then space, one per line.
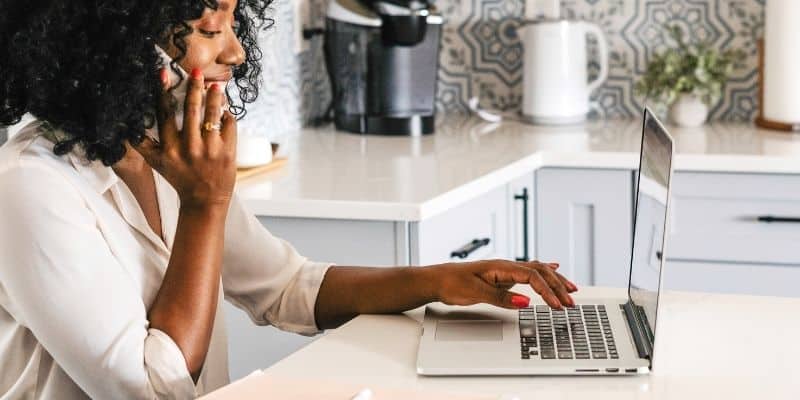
x=688, y=111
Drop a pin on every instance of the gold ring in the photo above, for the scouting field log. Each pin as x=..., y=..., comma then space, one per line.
x=210, y=126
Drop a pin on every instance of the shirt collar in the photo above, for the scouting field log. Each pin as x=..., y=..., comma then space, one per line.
x=99, y=176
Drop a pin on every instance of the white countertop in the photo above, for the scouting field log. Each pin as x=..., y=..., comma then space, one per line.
x=708, y=346
x=340, y=175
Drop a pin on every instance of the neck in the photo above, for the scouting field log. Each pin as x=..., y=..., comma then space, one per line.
x=131, y=162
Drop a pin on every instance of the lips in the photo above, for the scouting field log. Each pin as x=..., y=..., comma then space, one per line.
x=220, y=79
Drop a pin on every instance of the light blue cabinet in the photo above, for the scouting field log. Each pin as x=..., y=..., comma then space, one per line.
x=581, y=218
x=728, y=233
x=584, y=222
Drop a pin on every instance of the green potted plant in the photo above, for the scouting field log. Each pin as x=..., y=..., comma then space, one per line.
x=687, y=78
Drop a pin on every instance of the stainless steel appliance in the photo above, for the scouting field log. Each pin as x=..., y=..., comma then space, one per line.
x=382, y=58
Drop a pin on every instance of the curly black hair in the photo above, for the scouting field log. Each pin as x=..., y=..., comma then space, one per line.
x=89, y=67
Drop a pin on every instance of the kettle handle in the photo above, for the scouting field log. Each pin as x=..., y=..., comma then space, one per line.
x=602, y=44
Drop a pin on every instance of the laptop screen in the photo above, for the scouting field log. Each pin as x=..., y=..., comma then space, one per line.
x=650, y=219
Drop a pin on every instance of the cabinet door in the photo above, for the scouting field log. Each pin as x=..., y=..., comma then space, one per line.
x=584, y=222
x=521, y=195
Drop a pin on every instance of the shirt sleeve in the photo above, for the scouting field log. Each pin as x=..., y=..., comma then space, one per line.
x=266, y=277
x=64, y=284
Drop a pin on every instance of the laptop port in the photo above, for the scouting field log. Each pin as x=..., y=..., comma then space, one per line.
x=612, y=369
x=631, y=370
x=587, y=370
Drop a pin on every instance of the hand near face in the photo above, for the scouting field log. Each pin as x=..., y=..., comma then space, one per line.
x=489, y=282
x=199, y=161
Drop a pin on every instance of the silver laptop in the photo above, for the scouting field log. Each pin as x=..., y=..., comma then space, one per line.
x=595, y=337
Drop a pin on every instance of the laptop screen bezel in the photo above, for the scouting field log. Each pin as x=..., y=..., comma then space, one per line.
x=648, y=114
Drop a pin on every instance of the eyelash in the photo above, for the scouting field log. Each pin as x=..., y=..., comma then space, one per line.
x=208, y=33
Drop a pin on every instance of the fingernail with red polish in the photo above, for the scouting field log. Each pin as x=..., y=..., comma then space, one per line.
x=164, y=76
x=196, y=73
x=520, y=301
x=215, y=87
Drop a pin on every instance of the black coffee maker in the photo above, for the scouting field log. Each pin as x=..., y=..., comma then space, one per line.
x=383, y=57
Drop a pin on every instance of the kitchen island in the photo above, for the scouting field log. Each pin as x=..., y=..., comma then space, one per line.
x=476, y=190
x=694, y=358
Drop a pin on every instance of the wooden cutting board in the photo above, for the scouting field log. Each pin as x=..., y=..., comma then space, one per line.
x=276, y=163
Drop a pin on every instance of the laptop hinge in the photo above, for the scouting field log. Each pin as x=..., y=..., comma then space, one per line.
x=640, y=330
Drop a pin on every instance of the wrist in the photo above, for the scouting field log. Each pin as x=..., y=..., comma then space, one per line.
x=428, y=281
x=209, y=210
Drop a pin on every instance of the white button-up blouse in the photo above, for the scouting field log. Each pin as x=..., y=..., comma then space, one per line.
x=80, y=267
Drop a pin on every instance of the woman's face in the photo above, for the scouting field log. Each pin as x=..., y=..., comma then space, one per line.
x=213, y=46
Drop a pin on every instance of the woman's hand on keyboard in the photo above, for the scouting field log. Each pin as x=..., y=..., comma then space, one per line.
x=489, y=282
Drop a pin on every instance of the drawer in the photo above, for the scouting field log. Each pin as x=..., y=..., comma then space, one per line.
x=724, y=218
x=751, y=279
x=483, y=218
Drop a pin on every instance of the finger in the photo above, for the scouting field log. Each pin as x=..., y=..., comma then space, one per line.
x=213, y=112
x=229, y=131
x=541, y=287
x=167, y=127
x=571, y=287
x=557, y=286
x=506, y=299
x=193, y=112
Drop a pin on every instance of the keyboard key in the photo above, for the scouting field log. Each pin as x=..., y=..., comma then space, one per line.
x=527, y=332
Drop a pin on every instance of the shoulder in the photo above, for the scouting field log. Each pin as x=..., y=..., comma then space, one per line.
x=31, y=172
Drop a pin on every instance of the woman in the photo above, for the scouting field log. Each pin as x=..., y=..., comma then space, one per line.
x=116, y=249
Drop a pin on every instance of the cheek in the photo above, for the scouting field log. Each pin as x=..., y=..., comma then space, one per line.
x=200, y=54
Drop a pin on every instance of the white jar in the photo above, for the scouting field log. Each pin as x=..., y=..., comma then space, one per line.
x=688, y=111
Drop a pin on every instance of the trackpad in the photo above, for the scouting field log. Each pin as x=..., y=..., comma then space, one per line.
x=462, y=331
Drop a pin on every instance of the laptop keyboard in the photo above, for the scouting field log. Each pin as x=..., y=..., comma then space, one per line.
x=580, y=332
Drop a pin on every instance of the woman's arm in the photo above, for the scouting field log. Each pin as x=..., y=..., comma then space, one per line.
x=349, y=291
x=201, y=168
x=186, y=303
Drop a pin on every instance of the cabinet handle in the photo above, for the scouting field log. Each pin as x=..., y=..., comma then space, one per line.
x=771, y=218
x=524, y=197
x=467, y=249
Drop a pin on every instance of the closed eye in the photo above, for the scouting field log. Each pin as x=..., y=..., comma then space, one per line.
x=208, y=33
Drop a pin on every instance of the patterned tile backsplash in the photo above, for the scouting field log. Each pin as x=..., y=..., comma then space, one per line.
x=482, y=56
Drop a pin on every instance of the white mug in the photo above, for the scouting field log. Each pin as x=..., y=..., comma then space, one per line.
x=252, y=150
x=555, y=79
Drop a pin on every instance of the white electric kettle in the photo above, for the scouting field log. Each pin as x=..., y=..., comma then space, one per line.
x=555, y=80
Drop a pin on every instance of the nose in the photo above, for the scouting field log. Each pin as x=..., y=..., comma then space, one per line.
x=233, y=53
